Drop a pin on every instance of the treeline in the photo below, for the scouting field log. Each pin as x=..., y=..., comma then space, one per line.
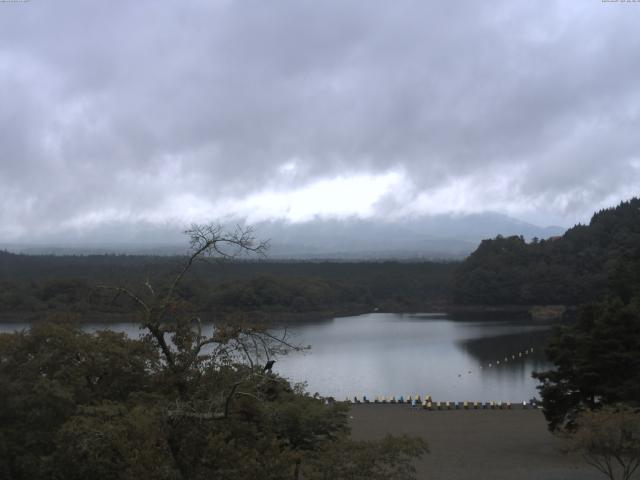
x=583, y=264
x=71, y=284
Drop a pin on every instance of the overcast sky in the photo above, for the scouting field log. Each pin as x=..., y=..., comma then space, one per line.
x=116, y=113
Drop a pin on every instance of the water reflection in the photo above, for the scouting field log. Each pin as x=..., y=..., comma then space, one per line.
x=408, y=354
x=395, y=354
x=512, y=347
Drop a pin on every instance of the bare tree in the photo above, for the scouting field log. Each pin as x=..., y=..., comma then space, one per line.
x=186, y=350
x=609, y=440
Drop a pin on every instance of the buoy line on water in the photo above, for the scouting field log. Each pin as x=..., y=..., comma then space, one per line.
x=427, y=403
x=497, y=363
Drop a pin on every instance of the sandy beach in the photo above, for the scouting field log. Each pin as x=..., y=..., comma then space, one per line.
x=475, y=444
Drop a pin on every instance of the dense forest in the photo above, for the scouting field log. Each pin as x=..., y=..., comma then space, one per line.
x=572, y=269
x=31, y=285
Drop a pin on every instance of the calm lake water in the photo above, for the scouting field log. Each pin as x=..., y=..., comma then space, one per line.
x=408, y=354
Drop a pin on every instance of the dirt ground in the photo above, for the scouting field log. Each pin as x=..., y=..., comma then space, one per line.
x=475, y=444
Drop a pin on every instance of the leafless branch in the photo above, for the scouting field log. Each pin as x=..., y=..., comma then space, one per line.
x=283, y=341
x=150, y=287
x=247, y=354
x=130, y=294
x=227, y=402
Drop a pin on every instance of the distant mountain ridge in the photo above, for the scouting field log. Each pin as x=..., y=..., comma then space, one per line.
x=428, y=237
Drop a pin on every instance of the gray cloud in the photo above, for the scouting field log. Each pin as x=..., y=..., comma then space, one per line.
x=128, y=111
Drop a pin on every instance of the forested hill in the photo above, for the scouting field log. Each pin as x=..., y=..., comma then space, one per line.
x=575, y=268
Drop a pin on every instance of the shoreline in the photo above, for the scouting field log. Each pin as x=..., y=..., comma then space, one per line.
x=531, y=312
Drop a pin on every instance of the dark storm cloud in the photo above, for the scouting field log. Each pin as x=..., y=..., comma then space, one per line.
x=153, y=111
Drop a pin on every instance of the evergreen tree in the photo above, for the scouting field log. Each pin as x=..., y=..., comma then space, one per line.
x=597, y=362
